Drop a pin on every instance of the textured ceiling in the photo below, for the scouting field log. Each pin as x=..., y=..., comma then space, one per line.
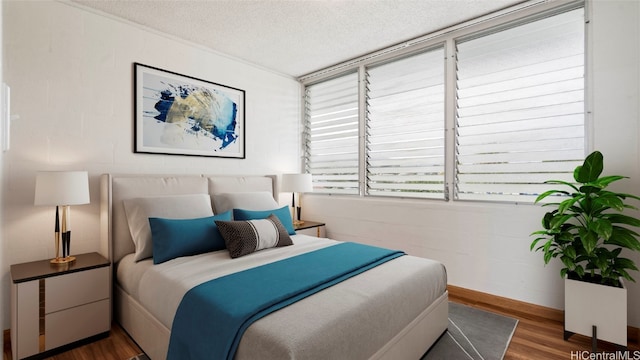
x=296, y=37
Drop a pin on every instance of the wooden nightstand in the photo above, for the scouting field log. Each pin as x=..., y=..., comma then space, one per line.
x=53, y=306
x=309, y=225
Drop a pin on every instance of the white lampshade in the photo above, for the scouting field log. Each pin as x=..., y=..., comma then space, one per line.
x=296, y=183
x=62, y=188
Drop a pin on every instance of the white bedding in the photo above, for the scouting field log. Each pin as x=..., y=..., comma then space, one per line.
x=395, y=292
x=148, y=283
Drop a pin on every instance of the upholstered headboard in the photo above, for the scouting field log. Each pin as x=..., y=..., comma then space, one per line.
x=115, y=236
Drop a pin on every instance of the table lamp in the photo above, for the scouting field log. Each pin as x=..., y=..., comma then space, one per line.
x=62, y=188
x=296, y=183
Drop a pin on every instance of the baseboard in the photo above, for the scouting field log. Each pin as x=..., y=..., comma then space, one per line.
x=519, y=308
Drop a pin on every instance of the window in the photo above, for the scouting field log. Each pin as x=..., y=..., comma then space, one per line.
x=331, y=135
x=520, y=109
x=513, y=96
x=405, y=127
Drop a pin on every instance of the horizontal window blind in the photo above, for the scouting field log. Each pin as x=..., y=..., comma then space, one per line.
x=331, y=131
x=520, y=109
x=405, y=127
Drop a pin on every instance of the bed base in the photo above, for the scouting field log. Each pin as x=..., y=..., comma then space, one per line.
x=410, y=343
x=149, y=333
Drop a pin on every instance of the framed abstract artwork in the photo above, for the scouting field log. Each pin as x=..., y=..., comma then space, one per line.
x=182, y=115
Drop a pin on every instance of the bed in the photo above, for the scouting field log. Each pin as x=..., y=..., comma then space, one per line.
x=395, y=310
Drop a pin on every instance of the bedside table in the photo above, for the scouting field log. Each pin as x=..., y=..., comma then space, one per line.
x=56, y=305
x=309, y=225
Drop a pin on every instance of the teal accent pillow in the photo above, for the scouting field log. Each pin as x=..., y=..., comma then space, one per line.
x=172, y=238
x=283, y=214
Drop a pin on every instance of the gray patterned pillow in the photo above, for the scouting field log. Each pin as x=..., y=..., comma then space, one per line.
x=248, y=236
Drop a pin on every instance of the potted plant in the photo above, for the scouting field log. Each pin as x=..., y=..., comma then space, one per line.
x=587, y=231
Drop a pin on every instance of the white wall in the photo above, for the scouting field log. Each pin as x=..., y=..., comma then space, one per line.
x=3, y=277
x=71, y=76
x=616, y=103
x=485, y=246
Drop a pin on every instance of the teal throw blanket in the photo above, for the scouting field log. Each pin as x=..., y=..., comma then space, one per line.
x=213, y=316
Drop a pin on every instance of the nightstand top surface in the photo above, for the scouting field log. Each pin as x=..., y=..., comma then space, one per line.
x=43, y=268
x=308, y=225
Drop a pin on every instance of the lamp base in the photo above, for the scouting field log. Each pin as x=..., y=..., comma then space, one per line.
x=64, y=260
x=298, y=222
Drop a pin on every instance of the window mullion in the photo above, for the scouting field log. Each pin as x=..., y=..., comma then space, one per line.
x=362, y=130
x=450, y=118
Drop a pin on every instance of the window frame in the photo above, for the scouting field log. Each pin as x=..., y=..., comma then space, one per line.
x=494, y=22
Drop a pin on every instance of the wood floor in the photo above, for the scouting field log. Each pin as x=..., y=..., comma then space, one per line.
x=537, y=336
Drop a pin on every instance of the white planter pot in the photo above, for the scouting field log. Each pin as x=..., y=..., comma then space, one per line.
x=587, y=305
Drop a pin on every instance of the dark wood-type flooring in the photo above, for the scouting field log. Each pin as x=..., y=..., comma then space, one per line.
x=537, y=336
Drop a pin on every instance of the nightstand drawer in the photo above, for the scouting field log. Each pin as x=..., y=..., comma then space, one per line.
x=64, y=292
x=64, y=327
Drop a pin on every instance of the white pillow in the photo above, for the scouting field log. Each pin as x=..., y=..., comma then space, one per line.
x=139, y=210
x=256, y=200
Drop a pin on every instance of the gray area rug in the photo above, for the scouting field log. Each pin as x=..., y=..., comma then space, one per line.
x=473, y=334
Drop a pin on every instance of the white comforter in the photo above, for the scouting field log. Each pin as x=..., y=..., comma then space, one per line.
x=149, y=283
x=374, y=305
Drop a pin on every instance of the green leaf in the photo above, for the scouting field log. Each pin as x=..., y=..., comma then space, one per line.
x=589, y=240
x=624, y=263
x=561, y=182
x=568, y=204
x=626, y=275
x=564, y=237
x=538, y=232
x=547, y=257
x=567, y=261
x=616, y=252
x=609, y=200
x=563, y=273
x=589, y=189
x=551, y=192
x=570, y=252
x=546, y=219
x=535, y=242
x=622, y=219
x=626, y=230
x=601, y=263
x=603, y=228
x=590, y=169
x=558, y=220
x=624, y=196
x=622, y=237
x=604, y=181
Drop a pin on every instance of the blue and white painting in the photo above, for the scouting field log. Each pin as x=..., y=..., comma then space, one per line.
x=176, y=114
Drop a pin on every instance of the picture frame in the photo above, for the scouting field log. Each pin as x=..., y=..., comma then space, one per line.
x=177, y=114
